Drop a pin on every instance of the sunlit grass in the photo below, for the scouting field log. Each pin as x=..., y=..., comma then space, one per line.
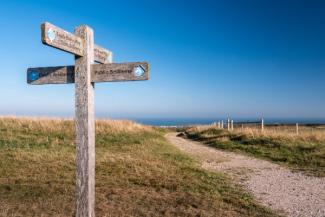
x=138, y=173
x=305, y=152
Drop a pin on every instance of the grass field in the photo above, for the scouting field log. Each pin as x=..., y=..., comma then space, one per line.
x=137, y=174
x=304, y=152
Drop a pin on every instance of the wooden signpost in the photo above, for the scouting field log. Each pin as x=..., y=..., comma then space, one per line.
x=84, y=74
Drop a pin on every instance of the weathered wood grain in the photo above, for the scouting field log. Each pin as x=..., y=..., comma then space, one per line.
x=85, y=126
x=120, y=72
x=58, y=38
x=102, y=55
x=110, y=72
x=61, y=39
x=51, y=75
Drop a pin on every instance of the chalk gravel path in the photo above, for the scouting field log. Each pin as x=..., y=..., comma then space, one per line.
x=290, y=193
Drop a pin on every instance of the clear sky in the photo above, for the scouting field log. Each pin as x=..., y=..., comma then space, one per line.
x=208, y=58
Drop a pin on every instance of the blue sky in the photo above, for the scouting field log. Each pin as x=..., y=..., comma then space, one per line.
x=208, y=58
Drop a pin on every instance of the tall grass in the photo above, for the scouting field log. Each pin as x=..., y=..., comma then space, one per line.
x=67, y=125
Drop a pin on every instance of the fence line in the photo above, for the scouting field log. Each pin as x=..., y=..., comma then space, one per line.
x=266, y=128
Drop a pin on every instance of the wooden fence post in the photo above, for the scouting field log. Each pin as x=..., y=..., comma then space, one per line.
x=222, y=124
x=232, y=125
x=262, y=125
x=297, y=129
x=228, y=124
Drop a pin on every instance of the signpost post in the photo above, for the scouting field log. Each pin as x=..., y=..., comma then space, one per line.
x=84, y=74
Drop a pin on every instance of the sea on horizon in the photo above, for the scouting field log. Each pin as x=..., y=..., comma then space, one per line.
x=205, y=121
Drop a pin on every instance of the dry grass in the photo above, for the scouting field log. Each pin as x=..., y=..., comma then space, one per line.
x=138, y=173
x=306, y=133
x=67, y=125
x=118, y=126
x=304, y=152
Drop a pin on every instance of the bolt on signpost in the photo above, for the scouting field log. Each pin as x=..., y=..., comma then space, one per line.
x=84, y=74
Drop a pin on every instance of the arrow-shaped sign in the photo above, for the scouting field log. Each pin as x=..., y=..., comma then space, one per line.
x=110, y=72
x=66, y=41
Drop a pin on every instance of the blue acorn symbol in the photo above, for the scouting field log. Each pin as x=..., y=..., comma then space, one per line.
x=33, y=76
x=138, y=71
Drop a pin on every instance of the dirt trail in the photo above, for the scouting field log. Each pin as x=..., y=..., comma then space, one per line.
x=293, y=194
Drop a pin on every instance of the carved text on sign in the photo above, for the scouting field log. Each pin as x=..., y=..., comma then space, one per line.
x=109, y=72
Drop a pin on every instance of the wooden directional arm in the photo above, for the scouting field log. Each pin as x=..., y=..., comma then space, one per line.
x=51, y=75
x=61, y=39
x=111, y=72
x=136, y=71
x=102, y=55
x=58, y=38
